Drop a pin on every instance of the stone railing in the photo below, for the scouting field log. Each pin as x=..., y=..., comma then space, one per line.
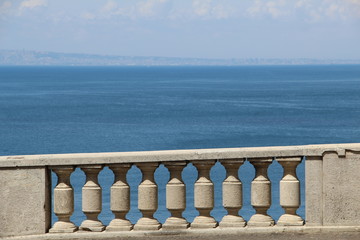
x=331, y=180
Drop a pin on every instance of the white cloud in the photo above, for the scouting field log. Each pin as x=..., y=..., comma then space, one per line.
x=335, y=9
x=5, y=6
x=328, y=9
x=88, y=16
x=32, y=4
x=110, y=9
x=166, y=9
x=303, y=3
x=150, y=7
x=110, y=6
x=255, y=9
x=201, y=7
x=209, y=9
x=142, y=9
x=308, y=10
x=192, y=10
x=275, y=9
x=354, y=7
x=221, y=12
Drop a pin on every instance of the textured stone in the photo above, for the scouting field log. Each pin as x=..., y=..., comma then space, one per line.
x=147, y=198
x=332, y=195
x=341, y=191
x=174, y=155
x=175, y=197
x=120, y=199
x=63, y=201
x=313, y=191
x=232, y=194
x=204, y=196
x=290, y=192
x=92, y=199
x=332, y=192
x=24, y=201
x=261, y=193
x=273, y=233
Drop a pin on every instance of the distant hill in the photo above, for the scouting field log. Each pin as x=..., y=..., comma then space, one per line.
x=39, y=58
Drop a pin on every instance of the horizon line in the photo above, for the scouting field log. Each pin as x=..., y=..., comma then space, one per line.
x=177, y=57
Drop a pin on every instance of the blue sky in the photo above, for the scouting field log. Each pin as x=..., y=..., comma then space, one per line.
x=185, y=28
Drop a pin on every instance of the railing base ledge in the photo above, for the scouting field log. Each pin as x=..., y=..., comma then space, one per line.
x=245, y=233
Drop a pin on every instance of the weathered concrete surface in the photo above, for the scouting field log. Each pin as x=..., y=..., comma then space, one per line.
x=261, y=193
x=24, y=201
x=341, y=189
x=314, y=191
x=174, y=155
x=332, y=189
x=290, y=192
x=232, y=194
x=247, y=233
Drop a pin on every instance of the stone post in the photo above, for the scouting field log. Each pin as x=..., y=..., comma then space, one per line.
x=175, y=197
x=148, y=198
x=63, y=201
x=204, y=195
x=120, y=199
x=25, y=200
x=261, y=193
x=314, y=190
x=92, y=199
x=232, y=194
x=290, y=192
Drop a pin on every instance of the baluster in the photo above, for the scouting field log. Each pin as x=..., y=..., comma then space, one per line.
x=290, y=192
x=92, y=199
x=148, y=198
x=204, y=195
x=63, y=201
x=175, y=197
x=120, y=199
x=261, y=193
x=232, y=194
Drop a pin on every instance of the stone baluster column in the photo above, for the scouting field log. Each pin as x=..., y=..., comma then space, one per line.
x=290, y=192
x=63, y=201
x=148, y=198
x=175, y=197
x=261, y=193
x=232, y=194
x=120, y=199
x=204, y=195
x=92, y=199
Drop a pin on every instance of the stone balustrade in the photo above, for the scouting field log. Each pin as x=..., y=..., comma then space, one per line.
x=332, y=190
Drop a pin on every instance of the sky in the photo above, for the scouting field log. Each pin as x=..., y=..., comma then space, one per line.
x=324, y=29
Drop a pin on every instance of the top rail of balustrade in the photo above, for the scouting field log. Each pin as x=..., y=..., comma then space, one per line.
x=173, y=155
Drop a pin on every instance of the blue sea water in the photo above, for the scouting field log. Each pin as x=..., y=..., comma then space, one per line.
x=47, y=110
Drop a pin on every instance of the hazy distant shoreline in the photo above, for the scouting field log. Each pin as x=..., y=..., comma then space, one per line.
x=41, y=58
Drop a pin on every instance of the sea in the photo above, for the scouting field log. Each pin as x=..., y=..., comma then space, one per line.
x=48, y=110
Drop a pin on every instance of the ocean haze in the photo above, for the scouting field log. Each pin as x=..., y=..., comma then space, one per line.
x=43, y=58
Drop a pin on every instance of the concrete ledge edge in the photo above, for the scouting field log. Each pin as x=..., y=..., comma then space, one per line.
x=226, y=233
x=173, y=155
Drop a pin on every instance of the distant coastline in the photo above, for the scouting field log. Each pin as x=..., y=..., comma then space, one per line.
x=43, y=58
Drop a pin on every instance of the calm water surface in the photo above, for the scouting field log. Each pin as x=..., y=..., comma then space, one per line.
x=110, y=109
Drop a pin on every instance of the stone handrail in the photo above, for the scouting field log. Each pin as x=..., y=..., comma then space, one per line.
x=332, y=189
x=173, y=155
